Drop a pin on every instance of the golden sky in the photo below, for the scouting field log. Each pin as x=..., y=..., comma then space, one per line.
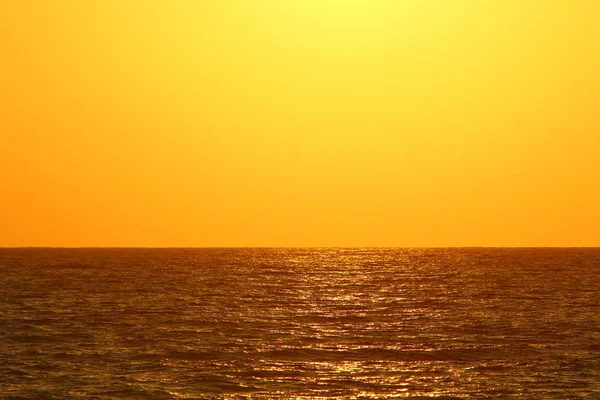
x=300, y=123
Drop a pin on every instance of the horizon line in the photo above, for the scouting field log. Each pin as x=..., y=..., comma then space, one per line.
x=299, y=247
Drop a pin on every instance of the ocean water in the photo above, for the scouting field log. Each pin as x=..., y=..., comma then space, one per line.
x=299, y=323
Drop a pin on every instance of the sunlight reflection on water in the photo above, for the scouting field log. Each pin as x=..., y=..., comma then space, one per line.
x=298, y=323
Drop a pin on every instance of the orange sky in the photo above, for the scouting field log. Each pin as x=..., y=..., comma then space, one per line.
x=300, y=123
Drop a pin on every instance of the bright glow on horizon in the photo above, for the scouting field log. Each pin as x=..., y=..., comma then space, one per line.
x=300, y=123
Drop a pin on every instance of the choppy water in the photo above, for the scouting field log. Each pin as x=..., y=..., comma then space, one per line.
x=299, y=323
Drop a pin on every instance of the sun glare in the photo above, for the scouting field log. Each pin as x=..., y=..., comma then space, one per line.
x=300, y=122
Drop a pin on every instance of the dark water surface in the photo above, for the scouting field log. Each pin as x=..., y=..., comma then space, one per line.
x=299, y=323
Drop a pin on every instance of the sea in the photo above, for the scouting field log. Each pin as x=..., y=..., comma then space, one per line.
x=300, y=323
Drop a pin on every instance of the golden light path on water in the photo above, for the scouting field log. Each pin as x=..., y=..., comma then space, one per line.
x=354, y=276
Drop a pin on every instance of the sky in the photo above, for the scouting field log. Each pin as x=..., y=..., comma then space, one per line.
x=299, y=123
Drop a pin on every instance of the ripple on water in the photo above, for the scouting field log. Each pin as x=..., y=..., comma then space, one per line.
x=293, y=323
